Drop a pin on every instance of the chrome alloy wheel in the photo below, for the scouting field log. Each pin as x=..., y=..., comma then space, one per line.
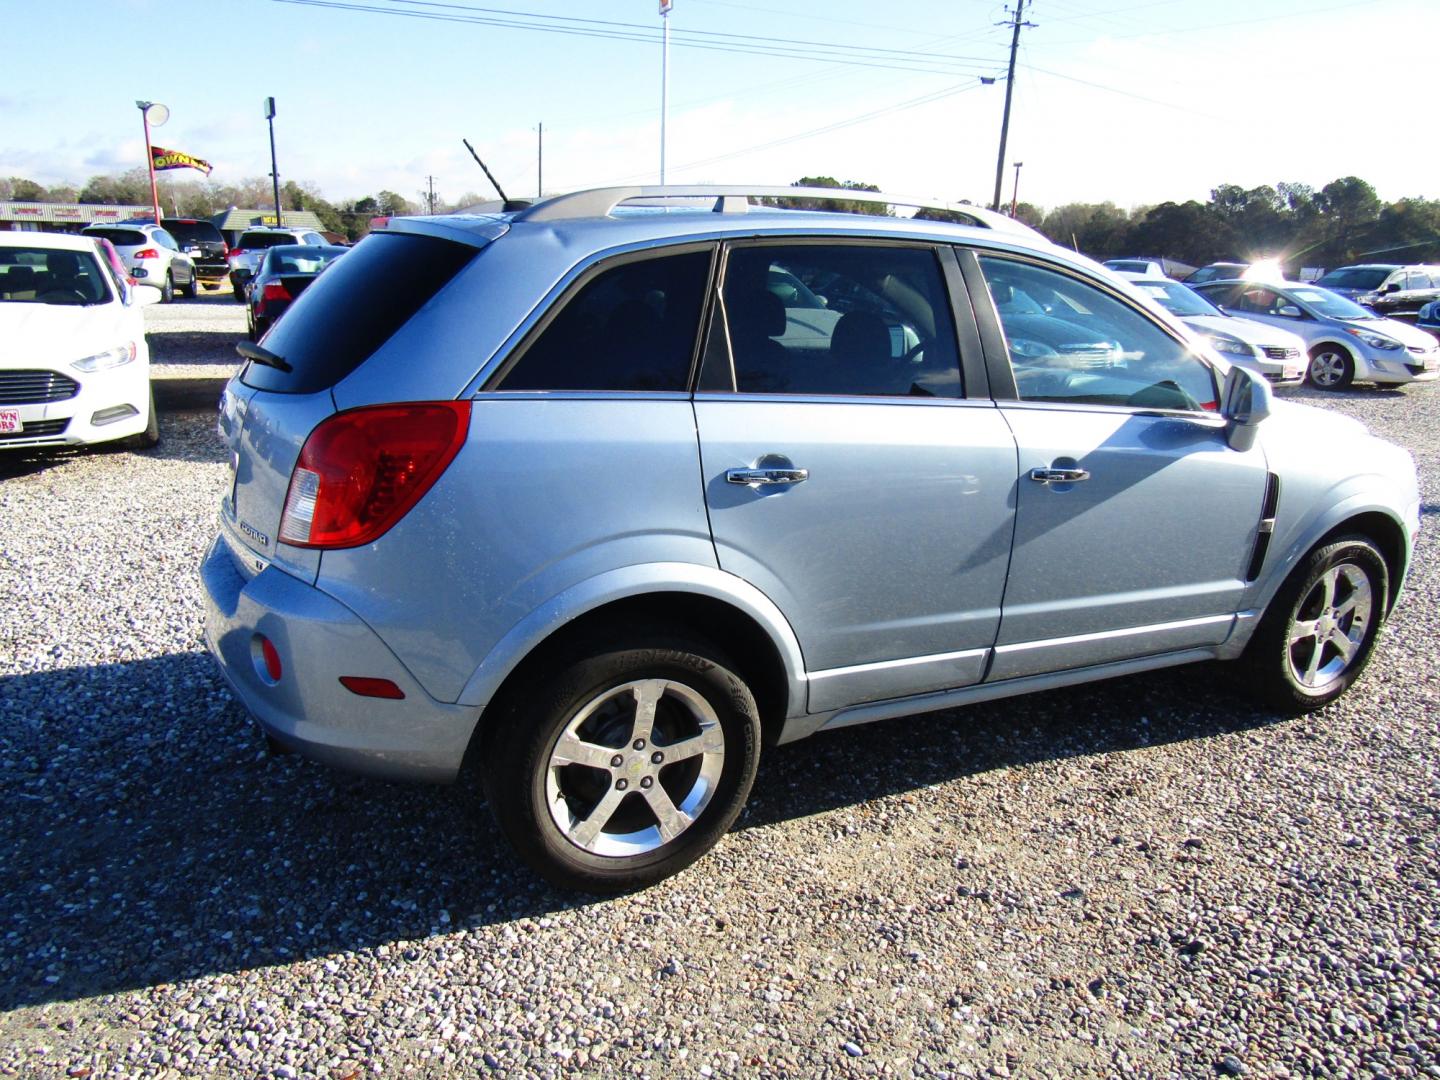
x=1328, y=368
x=635, y=767
x=1329, y=626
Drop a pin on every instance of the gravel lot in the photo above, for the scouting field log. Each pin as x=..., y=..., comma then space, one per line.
x=1148, y=877
x=194, y=338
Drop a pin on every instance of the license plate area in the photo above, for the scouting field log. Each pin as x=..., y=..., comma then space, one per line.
x=10, y=421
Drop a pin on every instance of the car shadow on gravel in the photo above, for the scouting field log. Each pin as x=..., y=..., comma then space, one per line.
x=149, y=838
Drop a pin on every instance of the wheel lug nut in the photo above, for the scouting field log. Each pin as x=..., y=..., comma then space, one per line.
x=646, y=781
x=621, y=784
x=657, y=757
x=617, y=761
x=639, y=744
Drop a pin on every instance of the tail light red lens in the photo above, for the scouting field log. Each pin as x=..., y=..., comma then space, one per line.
x=147, y=253
x=234, y=253
x=275, y=290
x=361, y=471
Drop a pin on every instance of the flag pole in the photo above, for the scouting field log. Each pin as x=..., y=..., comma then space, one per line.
x=144, y=107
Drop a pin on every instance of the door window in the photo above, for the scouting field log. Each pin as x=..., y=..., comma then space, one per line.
x=1069, y=341
x=834, y=319
x=630, y=328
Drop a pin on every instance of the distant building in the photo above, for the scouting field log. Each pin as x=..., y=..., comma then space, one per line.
x=63, y=217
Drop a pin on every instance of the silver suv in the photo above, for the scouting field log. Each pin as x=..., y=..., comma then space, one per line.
x=603, y=495
x=151, y=256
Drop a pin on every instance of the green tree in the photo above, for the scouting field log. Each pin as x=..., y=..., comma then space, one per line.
x=22, y=190
x=841, y=206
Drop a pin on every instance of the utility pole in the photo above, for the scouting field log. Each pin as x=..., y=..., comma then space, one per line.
x=1015, y=191
x=540, y=162
x=665, y=6
x=430, y=197
x=1017, y=22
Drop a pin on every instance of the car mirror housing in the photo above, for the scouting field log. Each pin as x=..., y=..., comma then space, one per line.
x=1290, y=311
x=1244, y=403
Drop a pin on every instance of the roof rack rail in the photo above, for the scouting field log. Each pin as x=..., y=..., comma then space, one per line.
x=734, y=199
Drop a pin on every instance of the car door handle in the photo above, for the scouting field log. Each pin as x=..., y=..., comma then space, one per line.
x=771, y=475
x=1059, y=476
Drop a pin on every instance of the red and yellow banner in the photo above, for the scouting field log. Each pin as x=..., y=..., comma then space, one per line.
x=174, y=159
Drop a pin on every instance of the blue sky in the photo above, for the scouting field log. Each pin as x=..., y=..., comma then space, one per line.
x=1136, y=101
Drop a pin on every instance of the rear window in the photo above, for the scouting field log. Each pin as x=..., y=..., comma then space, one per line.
x=354, y=308
x=193, y=230
x=254, y=241
x=119, y=237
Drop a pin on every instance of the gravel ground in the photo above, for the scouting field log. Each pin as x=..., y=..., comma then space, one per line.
x=194, y=338
x=1147, y=877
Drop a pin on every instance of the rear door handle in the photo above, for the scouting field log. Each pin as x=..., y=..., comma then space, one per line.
x=771, y=475
x=1059, y=476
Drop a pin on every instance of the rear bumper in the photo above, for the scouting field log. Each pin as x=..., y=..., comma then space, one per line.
x=318, y=640
x=72, y=422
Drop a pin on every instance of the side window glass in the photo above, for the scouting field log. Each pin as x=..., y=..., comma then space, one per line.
x=630, y=328
x=164, y=239
x=1072, y=342
x=849, y=319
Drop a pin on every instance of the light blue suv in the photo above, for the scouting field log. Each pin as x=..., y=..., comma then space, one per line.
x=603, y=495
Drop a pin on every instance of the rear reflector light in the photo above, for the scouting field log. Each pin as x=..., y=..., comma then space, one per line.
x=271, y=657
x=367, y=687
x=147, y=253
x=361, y=471
x=275, y=290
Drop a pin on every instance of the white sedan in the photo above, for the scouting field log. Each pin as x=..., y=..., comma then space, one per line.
x=74, y=366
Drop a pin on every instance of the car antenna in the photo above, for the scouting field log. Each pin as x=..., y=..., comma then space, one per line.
x=509, y=203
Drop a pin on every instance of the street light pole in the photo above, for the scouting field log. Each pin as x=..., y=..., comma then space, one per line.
x=1015, y=192
x=274, y=171
x=145, y=107
x=665, y=6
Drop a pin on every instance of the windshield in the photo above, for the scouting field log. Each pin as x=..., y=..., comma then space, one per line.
x=1327, y=303
x=38, y=275
x=1356, y=277
x=1176, y=298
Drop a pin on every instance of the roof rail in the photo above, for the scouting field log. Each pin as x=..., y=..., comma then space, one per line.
x=734, y=199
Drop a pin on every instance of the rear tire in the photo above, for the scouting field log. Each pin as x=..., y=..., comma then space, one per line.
x=193, y=289
x=551, y=776
x=1319, y=631
x=1331, y=368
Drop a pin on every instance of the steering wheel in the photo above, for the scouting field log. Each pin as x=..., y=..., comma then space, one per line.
x=62, y=296
x=914, y=351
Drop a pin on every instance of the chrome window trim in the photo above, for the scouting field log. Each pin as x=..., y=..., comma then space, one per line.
x=846, y=399
x=1201, y=417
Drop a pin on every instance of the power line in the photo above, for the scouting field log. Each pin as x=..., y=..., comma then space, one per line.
x=853, y=56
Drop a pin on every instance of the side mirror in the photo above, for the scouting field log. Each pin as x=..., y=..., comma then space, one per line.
x=145, y=295
x=1244, y=402
x=1394, y=286
x=1290, y=311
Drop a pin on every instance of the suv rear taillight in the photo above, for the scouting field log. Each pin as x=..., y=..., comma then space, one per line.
x=147, y=253
x=234, y=253
x=361, y=471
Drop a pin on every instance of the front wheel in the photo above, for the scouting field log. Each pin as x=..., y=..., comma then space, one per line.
x=167, y=290
x=1331, y=368
x=619, y=765
x=1319, y=631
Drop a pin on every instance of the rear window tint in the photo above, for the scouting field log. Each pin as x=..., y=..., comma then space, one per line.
x=193, y=230
x=254, y=241
x=354, y=308
x=119, y=237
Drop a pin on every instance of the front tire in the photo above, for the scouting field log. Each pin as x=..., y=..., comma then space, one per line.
x=1320, y=629
x=1331, y=368
x=150, y=437
x=619, y=764
x=167, y=291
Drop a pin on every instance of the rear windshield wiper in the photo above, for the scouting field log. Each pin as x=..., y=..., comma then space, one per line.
x=251, y=351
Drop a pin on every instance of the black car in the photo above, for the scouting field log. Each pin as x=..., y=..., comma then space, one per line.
x=283, y=274
x=201, y=240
